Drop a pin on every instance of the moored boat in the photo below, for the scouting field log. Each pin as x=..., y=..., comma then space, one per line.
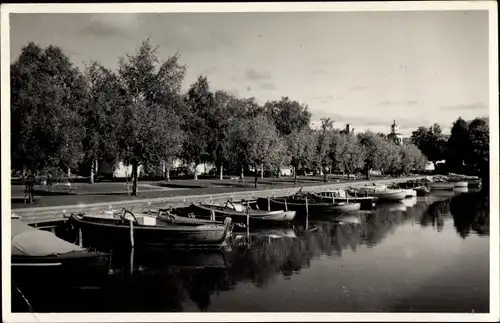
x=38, y=255
x=302, y=204
x=145, y=231
x=367, y=202
x=383, y=194
x=239, y=214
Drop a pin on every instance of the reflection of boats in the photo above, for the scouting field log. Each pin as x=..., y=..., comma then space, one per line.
x=301, y=203
x=37, y=256
x=409, y=202
x=274, y=233
x=146, y=231
x=349, y=219
x=367, y=202
x=151, y=260
x=393, y=206
x=419, y=186
x=383, y=193
x=239, y=212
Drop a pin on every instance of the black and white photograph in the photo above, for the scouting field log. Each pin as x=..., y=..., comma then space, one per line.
x=251, y=161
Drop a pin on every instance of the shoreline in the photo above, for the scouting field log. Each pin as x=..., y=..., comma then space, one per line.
x=39, y=215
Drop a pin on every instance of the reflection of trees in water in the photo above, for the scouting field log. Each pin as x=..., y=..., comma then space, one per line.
x=434, y=215
x=266, y=259
x=471, y=211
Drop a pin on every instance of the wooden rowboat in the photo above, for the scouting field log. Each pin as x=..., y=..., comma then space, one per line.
x=299, y=204
x=215, y=211
x=383, y=194
x=367, y=202
x=143, y=231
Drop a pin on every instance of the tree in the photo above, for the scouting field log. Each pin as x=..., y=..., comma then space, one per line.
x=323, y=146
x=430, y=141
x=47, y=93
x=288, y=116
x=479, y=132
x=411, y=158
x=149, y=130
x=458, y=146
x=218, y=119
x=301, y=146
x=99, y=116
x=346, y=153
x=373, y=151
x=200, y=101
x=254, y=141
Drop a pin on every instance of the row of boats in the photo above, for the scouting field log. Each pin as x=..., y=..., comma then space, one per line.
x=200, y=225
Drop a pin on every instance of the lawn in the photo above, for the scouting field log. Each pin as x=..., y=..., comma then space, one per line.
x=84, y=193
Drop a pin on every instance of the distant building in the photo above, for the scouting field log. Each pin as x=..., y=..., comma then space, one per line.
x=347, y=129
x=395, y=135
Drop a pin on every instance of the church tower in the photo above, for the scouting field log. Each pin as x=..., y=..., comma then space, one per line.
x=395, y=134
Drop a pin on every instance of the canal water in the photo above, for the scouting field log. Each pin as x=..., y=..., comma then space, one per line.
x=424, y=255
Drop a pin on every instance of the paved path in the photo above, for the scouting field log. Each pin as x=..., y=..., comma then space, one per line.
x=59, y=212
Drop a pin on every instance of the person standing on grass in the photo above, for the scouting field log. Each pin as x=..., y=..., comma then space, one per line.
x=29, y=188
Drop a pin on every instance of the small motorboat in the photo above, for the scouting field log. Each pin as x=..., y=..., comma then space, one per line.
x=142, y=230
x=239, y=212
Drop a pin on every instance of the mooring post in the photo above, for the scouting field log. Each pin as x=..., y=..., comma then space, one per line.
x=307, y=214
x=132, y=233
x=268, y=204
x=131, y=261
x=80, y=237
x=212, y=215
x=286, y=205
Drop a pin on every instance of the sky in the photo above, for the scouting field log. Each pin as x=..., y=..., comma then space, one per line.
x=362, y=68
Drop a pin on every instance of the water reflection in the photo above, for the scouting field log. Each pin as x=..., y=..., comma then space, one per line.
x=191, y=280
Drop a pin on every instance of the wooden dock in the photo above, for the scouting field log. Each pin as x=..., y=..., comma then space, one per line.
x=51, y=215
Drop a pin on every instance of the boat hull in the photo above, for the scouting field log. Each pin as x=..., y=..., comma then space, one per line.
x=312, y=206
x=443, y=186
x=114, y=232
x=255, y=216
x=366, y=202
x=383, y=195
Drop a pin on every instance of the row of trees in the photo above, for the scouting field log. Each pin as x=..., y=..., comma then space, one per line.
x=466, y=150
x=64, y=118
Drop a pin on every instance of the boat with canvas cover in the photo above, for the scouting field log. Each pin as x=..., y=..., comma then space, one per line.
x=38, y=256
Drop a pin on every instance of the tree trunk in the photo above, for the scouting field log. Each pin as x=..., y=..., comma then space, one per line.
x=195, y=172
x=126, y=182
x=167, y=172
x=278, y=173
x=242, y=175
x=221, y=172
x=134, y=179
x=92, y=171
x=262, y=171
x=367, y=172
x=295, y=175
x=256, y=178
x=325, y=176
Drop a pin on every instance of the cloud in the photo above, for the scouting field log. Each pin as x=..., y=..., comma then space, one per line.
x=467, y=106
x=319, y=71
x=358, y=88
x=267, y=86
x=111, y=25
x=253, y=75
x=324, y=99
x=400, y=103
